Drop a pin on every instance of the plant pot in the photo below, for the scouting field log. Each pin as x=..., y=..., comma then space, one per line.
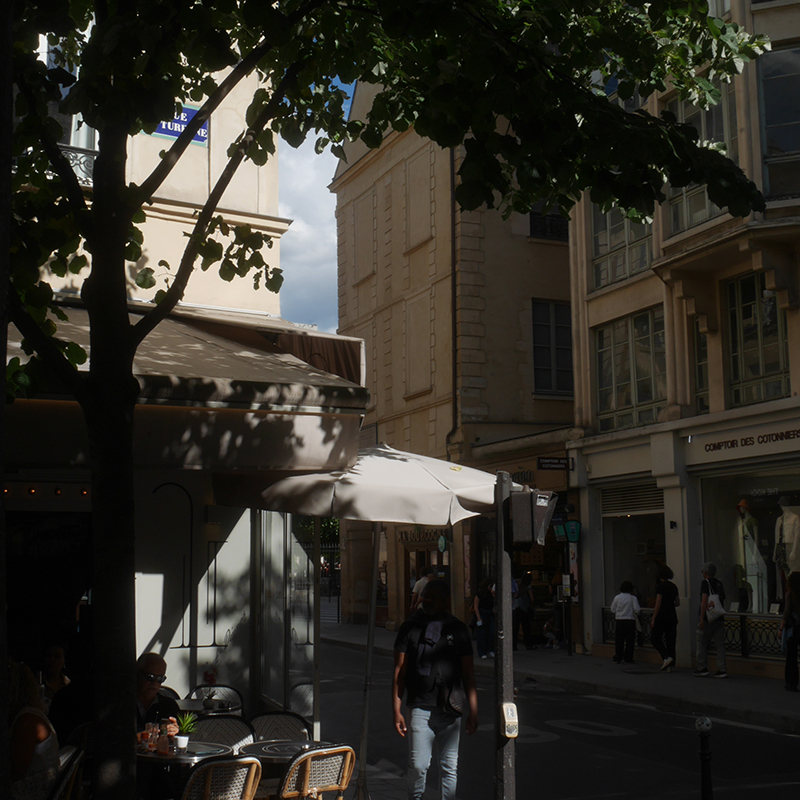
x=182, y=741
x=209, y=702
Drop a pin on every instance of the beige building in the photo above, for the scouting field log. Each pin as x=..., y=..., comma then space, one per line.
x=466, y=324
x=687, y=369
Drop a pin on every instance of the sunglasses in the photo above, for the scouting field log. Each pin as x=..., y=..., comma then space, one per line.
x=150, y=678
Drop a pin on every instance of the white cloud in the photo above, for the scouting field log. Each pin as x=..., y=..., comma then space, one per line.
x=308, y=249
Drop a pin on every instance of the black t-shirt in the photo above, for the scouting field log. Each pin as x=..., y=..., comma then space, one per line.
x=162, y=707
x=669, y=593
x=434, y=649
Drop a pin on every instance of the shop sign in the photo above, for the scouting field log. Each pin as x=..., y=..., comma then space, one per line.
x=442, y=543
x=764, y=440
x=421, y=535
x=573, y=530
x=552, y=463
x=175, y=127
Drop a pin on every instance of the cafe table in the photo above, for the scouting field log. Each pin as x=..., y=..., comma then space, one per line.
x=276, y=754
x=197, y=706
x=194, y=753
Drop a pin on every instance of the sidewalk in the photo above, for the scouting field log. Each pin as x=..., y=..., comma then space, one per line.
x=745, y=699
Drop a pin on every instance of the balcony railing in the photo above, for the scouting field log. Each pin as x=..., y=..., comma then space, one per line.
x=82, y=162
x=746, y=635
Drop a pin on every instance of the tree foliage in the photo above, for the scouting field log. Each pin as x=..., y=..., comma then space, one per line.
x=521, y=84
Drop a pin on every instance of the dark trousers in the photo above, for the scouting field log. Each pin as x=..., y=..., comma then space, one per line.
x=520, y=619
x=485, y=634
x=624, y=640
x=663, y=638
x=790, y=672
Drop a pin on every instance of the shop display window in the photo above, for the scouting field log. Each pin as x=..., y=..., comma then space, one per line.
x=633, y=547
x=744, y=518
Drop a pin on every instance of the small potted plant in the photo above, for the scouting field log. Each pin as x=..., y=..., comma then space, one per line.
x=209, y=700
x=187, y=723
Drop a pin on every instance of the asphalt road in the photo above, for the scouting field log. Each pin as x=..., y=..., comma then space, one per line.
x=570, y=746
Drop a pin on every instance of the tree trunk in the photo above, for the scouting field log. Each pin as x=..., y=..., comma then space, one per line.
x=108, y=400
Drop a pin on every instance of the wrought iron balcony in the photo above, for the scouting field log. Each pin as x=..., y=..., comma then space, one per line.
x=82, y=162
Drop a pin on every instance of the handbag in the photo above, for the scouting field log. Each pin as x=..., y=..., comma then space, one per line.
x=715, y=609
x=638, y=620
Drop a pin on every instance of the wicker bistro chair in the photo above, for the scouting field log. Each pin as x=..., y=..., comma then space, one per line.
x=68, y=784
x=224, y=729
x=227, y=694
x=223, y=778
x=324, y=768
x=273, y=725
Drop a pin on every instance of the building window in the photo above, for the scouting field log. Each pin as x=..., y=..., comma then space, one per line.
x=548, y=226
x=759, y=349
x=621, y=247
x=700, y=369
x=552, y=348
x=631, y=370
x=780, y=85
x=689, y=205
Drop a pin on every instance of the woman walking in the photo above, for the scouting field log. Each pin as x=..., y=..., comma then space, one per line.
x=665, y=618
x=791, y=624
x=483, y=606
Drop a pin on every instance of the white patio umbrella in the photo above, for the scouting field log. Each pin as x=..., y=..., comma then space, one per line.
x=388, y=485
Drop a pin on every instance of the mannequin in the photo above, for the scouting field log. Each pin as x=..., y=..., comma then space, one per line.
x=787, y=530
x=754, y=578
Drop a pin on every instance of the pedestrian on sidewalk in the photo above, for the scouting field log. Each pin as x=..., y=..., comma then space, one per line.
x=665, y=618
x=433, y=668
x=521, y=613
x=710, y=630
x=425, y=575
x=625, y=607
x=790, y=630
x=483, y=606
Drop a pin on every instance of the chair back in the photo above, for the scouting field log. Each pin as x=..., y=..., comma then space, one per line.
x=224, y=729
x=67, y=785
x=228, y=694
x=301, y=699
x=223, y=778
x=169, y=692
x=273, y=725
x=325, y=768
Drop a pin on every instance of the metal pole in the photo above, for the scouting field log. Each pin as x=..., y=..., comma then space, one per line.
x=703, y=728
x=362, y=793
x=317, y=600
x=504, y=765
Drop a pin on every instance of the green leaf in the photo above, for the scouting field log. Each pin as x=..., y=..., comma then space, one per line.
x=145, y=278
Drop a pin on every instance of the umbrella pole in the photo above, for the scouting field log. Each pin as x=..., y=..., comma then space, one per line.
x=362, y=792
x=505, y=750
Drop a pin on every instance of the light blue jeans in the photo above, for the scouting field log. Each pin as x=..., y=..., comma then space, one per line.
x=428, y=728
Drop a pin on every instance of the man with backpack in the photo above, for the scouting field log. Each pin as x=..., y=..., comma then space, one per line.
x=711, y=626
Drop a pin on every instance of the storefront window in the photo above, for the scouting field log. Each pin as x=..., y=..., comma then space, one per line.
x=740, y=530
x=633, y=547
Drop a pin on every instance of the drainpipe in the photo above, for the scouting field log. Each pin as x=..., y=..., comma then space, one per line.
x=453, y=321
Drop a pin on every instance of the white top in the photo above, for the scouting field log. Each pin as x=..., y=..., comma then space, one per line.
x=38, y=781
x=625, y=606
x=788, y=524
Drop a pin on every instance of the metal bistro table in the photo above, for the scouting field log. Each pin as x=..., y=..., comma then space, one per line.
x=197, y=706
x=195, y=752
x=275, y=755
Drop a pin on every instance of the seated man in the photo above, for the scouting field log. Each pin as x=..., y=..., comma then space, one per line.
x=151, y=705
x=153, y=781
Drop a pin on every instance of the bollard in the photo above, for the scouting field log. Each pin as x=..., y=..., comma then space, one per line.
x=703, y=727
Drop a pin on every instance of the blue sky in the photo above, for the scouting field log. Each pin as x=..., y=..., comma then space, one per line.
x=308, y=250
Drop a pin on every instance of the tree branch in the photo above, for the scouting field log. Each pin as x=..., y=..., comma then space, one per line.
x=44, y=345
x=175, y=292
x=59, y=162
x=151, y=184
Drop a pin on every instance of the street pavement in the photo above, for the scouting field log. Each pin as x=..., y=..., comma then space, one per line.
x=739, y=699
